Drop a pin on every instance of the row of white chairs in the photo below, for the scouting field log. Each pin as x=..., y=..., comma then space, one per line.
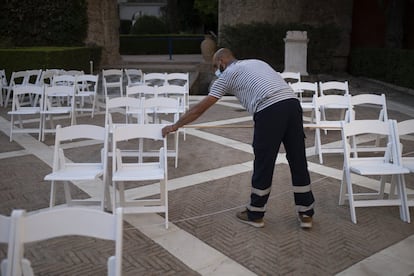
x=389, y=163
x=29, y=77
x=347, y=106
x=112, y=79
x=22, y=228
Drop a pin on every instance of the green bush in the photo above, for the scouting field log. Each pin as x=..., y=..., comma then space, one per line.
x=159, y=44
x=76, y=58
x=148, y=24
x=265, y=41
x=389, y=65
x=41, y=23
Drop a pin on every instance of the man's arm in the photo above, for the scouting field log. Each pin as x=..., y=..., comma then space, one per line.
x=192, y=114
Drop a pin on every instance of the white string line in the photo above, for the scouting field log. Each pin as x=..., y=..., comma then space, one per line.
x=220, y=211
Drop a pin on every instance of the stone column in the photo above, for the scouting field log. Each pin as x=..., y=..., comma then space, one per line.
x=296, y=47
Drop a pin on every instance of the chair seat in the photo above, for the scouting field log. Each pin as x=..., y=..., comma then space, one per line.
x=58, y=110
x=132, y=172
x=376, y=167
x=77, y=172
x=25, y=111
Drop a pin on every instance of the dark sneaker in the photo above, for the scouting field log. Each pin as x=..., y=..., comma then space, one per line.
x=305, y=221
x=243, y=217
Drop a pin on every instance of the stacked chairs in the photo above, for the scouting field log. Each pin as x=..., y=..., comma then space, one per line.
x=21, y=107
x=388, y=164
x=92, y=171
x=44, y=225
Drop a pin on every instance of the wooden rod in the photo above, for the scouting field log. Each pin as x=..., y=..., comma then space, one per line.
x=309, y=126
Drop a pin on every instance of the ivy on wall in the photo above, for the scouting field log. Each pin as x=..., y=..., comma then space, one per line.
x=43, y=23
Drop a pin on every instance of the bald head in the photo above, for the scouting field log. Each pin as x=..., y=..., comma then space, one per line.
x=222, y=58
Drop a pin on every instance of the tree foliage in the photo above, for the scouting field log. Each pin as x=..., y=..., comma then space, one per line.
x=148, y=24
x=43, y=23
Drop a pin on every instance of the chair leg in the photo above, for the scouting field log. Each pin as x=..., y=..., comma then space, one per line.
x=402, y=192
x=68, y=196
x=176, y=137
x=343, y=190
x=350, y=196
x=52, y=194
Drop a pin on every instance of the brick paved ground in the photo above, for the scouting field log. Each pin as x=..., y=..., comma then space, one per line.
x=205, y=207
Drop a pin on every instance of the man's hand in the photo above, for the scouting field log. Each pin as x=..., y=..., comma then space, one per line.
x=168, y=129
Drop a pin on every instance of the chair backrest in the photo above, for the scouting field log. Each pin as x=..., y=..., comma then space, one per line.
x=291, y=77
x=120, y=104
x=371, y=99
x=58, y=95
x=112, y=78
x=334, y=87
x=62, y=222
x=65, y=80
x=69, y=133
x=47, y=76
x=138, y=91
x=3, y=78
x=24, y=95
x=33, y=76
x=160, y=105
x=86, y=83
x=134, y=76
x=181, y=79
x=301, y=87
x=18, y=77
x=154, y=79
x=177, y=92
x=330, y=100
x=406, y=127
x=359, y=127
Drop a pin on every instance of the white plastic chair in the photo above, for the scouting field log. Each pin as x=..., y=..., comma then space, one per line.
x=3, y=86
x=21, y=108
x=310, y=88
x=327, y=123
x=92, y=171
x=127, y=106
x=157, y=107
x=139, y=91
x=33, y=77
x=86, y=87
x=372, y=101
x=382, y=166
x=128, y=170
x=17, y=78
x=63, y=222
x=58, y=100
x=334, y=88
x=134, y=77
x=405, y=132
x=47, y=76
x=154, y=79
x=112, y=79
x=66, y=80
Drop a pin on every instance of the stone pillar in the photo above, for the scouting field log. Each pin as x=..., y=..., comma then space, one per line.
x=296, y=47
x=103, y=30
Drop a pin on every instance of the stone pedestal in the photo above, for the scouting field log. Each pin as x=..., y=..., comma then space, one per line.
x=296, y=48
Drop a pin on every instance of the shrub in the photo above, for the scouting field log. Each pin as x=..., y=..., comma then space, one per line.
x=47, y=22
x=148, y=24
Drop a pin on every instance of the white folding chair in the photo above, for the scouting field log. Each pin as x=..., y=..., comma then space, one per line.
x=3, y=86
x=17, y=78
x=112, y=79
x=308, y=88
x=6, y=237
x=21, y=108
x=405, y=132
x=155, y=108
x=58, y=100
x=133, y=170
x=61, y=222
x=47, y=76
x=33, y=77
x=86, y=88
x=334, y=88
x=134, y=77
x=94, y=172
x=139, y=91
x=382, y=166
x=126, y=106
x=376, y=103
x=326, y=122
x=154, y=79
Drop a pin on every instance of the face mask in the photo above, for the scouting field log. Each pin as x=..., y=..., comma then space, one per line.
x=218, y=73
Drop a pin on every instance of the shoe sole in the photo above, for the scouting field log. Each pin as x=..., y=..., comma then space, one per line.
x=306, y=225
x=252, y=223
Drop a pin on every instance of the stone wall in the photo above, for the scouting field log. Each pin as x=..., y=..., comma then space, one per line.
x=315, y=13
x=103, y=29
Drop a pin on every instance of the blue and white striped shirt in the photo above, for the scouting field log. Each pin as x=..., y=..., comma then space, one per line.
x=254, y=83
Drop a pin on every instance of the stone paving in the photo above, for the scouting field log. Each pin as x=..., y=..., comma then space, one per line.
x=211, y=183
